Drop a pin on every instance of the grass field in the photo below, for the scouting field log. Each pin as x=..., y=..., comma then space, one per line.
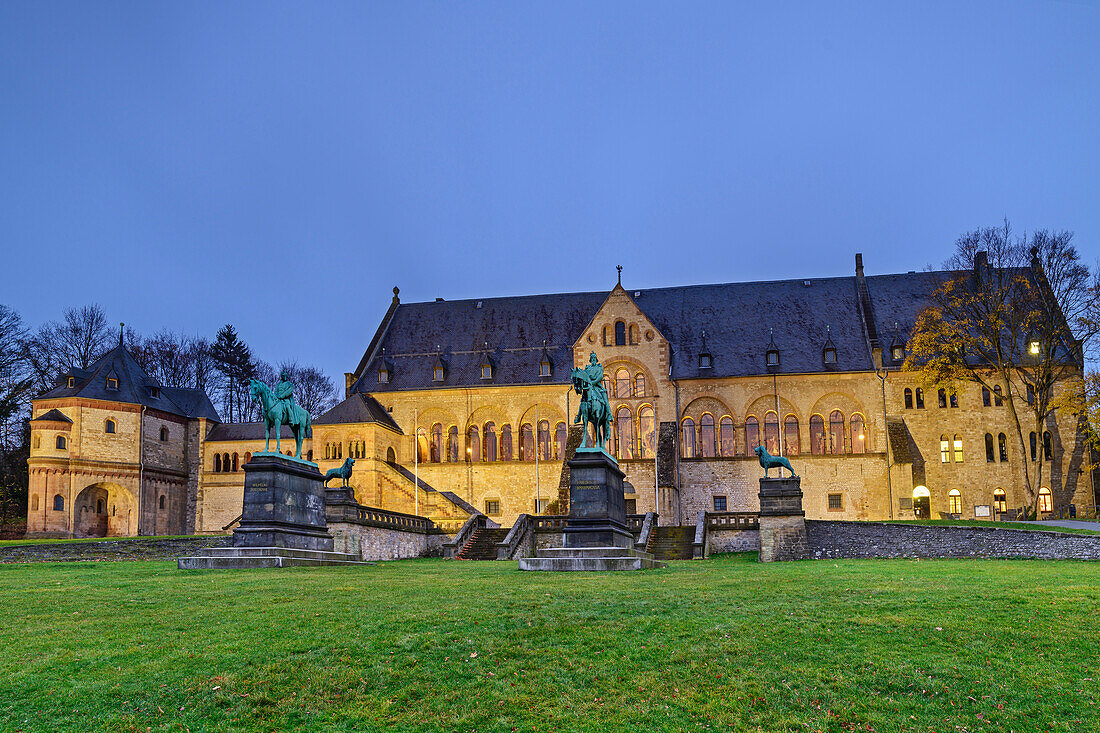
x=720, y=644
x=145, y=538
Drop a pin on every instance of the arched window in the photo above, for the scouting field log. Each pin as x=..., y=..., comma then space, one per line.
x=954, y=502
x=490, y=444
x=1048, y=446
x=941, y=397
x=1031, y=437
x=217, y=463
x=161, y=503
x=391, y=456
x=622, y=383
x=624, y=429
x=1000, y=504
x=639, y=385
x=707, y=446
x=620, y=333
x=990, y=456
x=945, y=449
x=437, y=443
x=958, y=443
x=164, y=435
x=752, y=435
x=561, y=436
x=58, y=503
x=908, y=399
x=771, y=433
x=423, y=446
x=109, y=426
x=1002, y=446
x=918, y=396
x=99, y=505
x=61, y=442
x=1046, y=501
x=473, y=445
x=647, y=428
x=452, y=444
x=526, y=442
x=859, y=435
x=817, y=435
x=226, y=465
x=236, y=466
x=792, y=443
x=506, y=453
x=727, y=437
x=836, y=433
x=997, y=398
x=544, y=440
x=633, y=334
x=339, y=447
x=986, y=397
x=687, y=437
x=328, y=451
x=248, y=457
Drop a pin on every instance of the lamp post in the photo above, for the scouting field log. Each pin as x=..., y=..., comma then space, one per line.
x=416, y=463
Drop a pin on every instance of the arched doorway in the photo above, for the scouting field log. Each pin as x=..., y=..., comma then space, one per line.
x=922, y=502
x=104, y=510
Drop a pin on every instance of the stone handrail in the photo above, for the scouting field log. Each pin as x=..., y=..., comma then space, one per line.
x=733, y=520
x=520, y=534
x=474, y=523
x=648, y=523
x=381, y=518
x=545, y=522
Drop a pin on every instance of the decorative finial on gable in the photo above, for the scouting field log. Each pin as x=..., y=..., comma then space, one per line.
x=619, y=268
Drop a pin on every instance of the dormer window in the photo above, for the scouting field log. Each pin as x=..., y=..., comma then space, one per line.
x=830, y=355
x=897, y=353
x=486, y=370
x=112, y=384
x=383, y=375
x=773, y=357
x=437, y=374
x=544, y=368
x=71, y=382
x=154, y=392
x=706, y=361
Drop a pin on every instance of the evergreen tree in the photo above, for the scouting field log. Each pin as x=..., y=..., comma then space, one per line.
x=234, y=360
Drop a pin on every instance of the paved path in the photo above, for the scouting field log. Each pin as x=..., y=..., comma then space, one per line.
x=1073, y=523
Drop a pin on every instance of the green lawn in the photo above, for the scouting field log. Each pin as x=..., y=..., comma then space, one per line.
x=1037, y=526
x=15, y=543
x=724, y=644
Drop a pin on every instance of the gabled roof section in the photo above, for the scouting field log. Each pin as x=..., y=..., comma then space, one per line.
x=54, y=415
x=247, y=431
x=358, y=408
x=133, y=387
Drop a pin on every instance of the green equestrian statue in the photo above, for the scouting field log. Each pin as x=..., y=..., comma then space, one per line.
x=595, y=408
x=279, y=408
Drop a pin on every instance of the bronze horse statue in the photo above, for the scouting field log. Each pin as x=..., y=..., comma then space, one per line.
x=278, y=413
x=592, y=410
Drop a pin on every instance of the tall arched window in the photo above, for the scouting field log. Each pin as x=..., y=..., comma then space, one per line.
x=452, y=444
x=620, y=333
x=707, y=446
x=998, y=400
x=792, y=443
x=945, y=449
x=1046, y=501
x=647, y=428
x=1002, y=446
x=99, y=504
x=423, y=449
x=437, y=443
x=225, y=462
x=391, y=455
x=687, y=437
x=622, y=383
x=490, y=442
x=1031, y=438
x=58, y=503
x=624, y=429
x=109, y=426
x=1000, y=504
x=639, y=385
x=164, y=435
x=61, y=443
x=526, y=442
x=817, y=435
x=990, y=455
x=544, y=440
x=506, y=453
x=958, y=443
x=941, y=397
x=1048, y=446
x=859, y=435
x=771, y=433
x=908, y=399
x=954, y=502
x=836, y=433
x=217, y=463
x=561, y=436
x=987, y=400
x=752, y=435
x=248, y=457
x=918, y=396
x=235, y=465
x=634, y=334
x=727, y=437
x=473, y=445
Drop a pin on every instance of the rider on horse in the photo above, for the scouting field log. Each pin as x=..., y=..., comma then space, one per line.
x=284, y=392
x=594, y=389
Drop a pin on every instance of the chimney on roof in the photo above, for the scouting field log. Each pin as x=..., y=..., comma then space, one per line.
x=981, y=266
x=859, y=265
x=349, y=381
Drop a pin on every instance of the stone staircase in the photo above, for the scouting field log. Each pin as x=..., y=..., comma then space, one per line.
x=235, y=558
x=671, y=543
x=483, y=544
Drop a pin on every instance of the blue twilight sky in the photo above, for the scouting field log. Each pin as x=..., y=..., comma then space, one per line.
x=282, y=166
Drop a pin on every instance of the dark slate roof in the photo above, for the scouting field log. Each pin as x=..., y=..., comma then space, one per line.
x=246, y=431
x=133, y=387
x=899, y=299
x=358, y=408
x=54, y=415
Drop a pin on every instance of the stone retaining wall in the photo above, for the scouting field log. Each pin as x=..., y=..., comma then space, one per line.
x=833, y=539
x=385, y=543
x=151, y=548
x=733, y=540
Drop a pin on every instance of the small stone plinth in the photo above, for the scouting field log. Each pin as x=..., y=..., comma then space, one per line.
x=782, y=520
x=588, y=559
x=284, y=505
x=597, y=506
x=241, y=558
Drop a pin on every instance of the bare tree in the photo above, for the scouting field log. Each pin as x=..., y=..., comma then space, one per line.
x=84, y=335
x=1016, y=313
x=16, y=379
x=312, y=389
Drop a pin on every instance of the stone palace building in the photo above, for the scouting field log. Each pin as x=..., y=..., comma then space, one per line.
x=466, y=406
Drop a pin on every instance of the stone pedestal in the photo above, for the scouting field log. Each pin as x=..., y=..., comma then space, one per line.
x=782, y=520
